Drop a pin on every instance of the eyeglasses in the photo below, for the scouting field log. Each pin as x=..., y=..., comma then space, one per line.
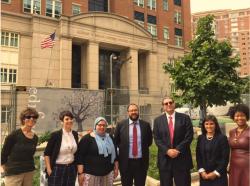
x=29, y=117
x=168, y=103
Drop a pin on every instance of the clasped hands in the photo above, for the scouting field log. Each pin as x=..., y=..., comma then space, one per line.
x=208, y=176
x=173, y=153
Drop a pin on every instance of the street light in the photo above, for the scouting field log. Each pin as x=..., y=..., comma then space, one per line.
x=112, y=56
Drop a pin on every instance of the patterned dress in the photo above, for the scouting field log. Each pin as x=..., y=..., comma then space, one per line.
x=240, y=157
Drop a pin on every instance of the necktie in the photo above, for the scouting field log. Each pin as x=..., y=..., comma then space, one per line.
x=134, y=147
x=171, y=129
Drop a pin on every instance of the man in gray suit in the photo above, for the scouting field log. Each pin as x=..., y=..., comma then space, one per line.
x=173, y=134
x=133, y=137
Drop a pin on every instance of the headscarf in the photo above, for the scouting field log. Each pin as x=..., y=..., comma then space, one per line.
x=104, y=143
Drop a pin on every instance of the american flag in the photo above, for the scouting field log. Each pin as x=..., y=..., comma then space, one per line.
x=49, y=41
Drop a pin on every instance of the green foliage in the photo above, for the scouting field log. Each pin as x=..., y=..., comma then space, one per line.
x=36, y=177
x=207, y=75
x=44, y=137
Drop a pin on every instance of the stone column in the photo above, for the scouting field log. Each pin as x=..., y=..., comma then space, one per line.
x=152, y=73
x=65, y=62
x=92, y=64
x=133, y=70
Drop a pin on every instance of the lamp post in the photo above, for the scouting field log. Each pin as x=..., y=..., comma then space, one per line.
x=112, y=56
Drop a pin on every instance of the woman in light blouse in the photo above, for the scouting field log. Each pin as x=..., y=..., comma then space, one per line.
x=60, y=153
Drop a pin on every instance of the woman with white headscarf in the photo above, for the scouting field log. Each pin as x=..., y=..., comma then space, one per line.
x=97, y=163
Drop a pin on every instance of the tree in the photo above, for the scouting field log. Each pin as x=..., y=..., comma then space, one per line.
x=83, y=104
x=207, y=75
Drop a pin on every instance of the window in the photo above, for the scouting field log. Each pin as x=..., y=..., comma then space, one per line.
x=9, y=39
x=139, y=2
x=177, y=2
x=5, y=1
x=152, y=4
x=178, y=37
x=8, y=75
x=76, y=9
x=32, y=6
x=98, y=5
x=177, y=17
x=165, y=5
x=3, y=75
x=5, y=113
x=53, y=8
x=152, y=25
x=165, y=33
x=152, y=29
x=139, y=18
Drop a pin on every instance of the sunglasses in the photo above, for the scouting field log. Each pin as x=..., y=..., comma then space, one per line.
x=168, y=103
x=29, y=117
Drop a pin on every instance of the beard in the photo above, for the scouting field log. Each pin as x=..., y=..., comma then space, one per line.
x=134, y=117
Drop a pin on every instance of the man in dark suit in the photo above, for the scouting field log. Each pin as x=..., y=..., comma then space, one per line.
x=173, y=134
x=133, y=138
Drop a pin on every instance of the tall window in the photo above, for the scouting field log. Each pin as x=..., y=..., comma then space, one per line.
x=139, y=2
x=177, y=17
x=177, y=2
x=32, y=6
x=165, y=5
x=9, y=39
x=8, y=75
x=5, y=113
x=165, y=33
x=76, y=9
x=139, y=18
x=178, y=37
x=53, y=8
x=152, y=25
x=152, y=4
x=98, y=5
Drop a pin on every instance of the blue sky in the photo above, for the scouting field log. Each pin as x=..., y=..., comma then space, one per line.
x=206, y=5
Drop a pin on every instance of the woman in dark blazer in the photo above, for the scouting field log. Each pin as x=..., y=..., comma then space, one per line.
x=60, y=153
x=212, y=154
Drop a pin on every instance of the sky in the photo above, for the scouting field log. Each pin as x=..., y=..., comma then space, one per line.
x=206, y=5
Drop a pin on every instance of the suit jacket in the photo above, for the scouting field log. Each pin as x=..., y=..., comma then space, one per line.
x=183, y=135
x=218, y=157
x=54, y=144
x=121, y=138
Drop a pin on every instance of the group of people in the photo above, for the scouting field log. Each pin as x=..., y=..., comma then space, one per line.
x=98, y=156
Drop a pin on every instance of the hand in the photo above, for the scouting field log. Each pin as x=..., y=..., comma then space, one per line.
x=49, y=171
x=204, y=175
x=2, y=169
x=173, y=153
x=211, y=176
x=116, y=172
x=81, y=179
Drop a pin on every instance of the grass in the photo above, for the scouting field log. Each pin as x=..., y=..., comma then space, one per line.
x=222, y=120
x=153, y=170
x=36, y=177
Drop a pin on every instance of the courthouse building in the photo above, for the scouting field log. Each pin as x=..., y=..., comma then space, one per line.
x=135, y=36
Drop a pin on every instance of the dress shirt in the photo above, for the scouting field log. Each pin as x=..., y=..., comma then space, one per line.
x=68, y=148
x=173, y=118
x=131, y=125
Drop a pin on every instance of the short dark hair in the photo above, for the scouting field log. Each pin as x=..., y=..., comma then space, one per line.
x=27, y=112
x=167, y=97
x=239, y=108
x=65, y=113
x=132, y=104
x=210, y=118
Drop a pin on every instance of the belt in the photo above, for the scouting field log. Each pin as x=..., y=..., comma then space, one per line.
x=64, y=165
x=135, y=159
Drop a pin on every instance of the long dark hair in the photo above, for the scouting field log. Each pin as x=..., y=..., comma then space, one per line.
x=210, y=118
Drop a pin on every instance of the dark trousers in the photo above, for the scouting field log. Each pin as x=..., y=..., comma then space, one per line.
x=63, y=175
x=135, y=173
x=180, y=177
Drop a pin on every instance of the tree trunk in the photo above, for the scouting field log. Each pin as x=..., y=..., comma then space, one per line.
x=79, y=123
x=203, y=113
